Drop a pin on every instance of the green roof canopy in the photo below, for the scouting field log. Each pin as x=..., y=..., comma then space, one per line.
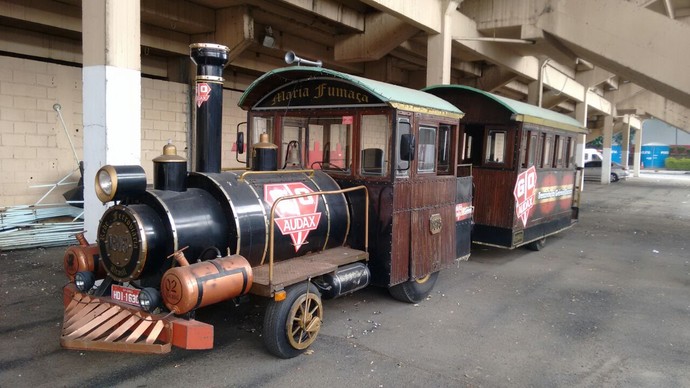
x=521, y=111
x=392, y=95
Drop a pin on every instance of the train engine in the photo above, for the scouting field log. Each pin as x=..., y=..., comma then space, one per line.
x=203, y=237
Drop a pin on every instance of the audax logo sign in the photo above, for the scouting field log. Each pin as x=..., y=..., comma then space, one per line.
x=203, y=93
x=295, y=217
x=524, y=193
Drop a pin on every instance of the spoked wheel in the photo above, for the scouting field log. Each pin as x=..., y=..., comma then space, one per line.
x=614, y=177
x=292, y=325
x=414, y=291
x=536, y=245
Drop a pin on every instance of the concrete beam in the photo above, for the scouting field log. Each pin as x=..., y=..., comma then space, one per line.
x=165, y=40
x=332, y=10
x=594, y=77
x=635, y=53
x=14, y=40
x=428, y=18
x=600, y=104
x=68, y=18
x=383, y=34
x=551, y=99
x=234, y=28
x=658, y=107
x=63, y=16
x=492, y=78
x=527, y=67
x=563, y=84
x=502, y=55
x=178, y=15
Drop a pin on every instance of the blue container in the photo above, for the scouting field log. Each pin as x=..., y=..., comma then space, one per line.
x=616, y=153
x=654, y=155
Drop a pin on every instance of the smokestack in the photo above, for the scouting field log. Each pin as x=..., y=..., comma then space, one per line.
x=210, y=59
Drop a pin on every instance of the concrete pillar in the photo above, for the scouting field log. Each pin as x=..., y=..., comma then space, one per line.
x=581, y=116
x=439, y=49
x=608, y=139
x=625, y=147
x=111, y=92
x=638, y=152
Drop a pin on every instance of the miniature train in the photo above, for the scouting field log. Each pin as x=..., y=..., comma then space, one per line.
x=349, y=182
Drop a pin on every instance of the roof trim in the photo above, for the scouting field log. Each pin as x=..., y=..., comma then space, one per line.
x=524, y=112
x=395, y=96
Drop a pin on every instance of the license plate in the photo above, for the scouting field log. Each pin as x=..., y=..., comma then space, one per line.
x=124, y=294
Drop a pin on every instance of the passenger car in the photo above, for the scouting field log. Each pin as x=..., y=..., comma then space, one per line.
x=593, y=171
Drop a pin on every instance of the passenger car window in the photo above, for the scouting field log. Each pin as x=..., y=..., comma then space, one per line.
x=495, y=147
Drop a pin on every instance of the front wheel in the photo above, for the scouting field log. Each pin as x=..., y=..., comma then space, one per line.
x=292, y=325
x=414, y=291
x=614, y=177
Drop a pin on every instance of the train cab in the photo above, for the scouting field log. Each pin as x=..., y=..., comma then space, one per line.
x=398, y=142
x=521, y=156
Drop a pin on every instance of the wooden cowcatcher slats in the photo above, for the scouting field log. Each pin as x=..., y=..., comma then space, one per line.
x=95, y=324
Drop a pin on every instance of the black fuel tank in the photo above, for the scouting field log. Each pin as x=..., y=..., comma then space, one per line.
x=301, y=225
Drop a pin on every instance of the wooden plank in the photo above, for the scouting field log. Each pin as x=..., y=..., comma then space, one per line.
x=140, y=348
x=121, y=330
x=94, y=322
x=155, y=331
x=292, y=271
x=86, y=318
x=136, y=334
x=107, y=326
x=80, y=312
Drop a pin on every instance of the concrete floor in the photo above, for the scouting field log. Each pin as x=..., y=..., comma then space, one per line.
x=606, y=303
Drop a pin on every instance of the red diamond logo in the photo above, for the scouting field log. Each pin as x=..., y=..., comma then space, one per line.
x=297, y=216
x=524, y=192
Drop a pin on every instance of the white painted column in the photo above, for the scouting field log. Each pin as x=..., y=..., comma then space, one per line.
x=608, y=139
x=625, y=147
x=112, y=94
x=638, y=152
x=439, y=49
x=581, y=116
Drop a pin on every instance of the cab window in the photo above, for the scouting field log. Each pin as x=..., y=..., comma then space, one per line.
x=375, y=130
x=444, y=149
x=426, y=149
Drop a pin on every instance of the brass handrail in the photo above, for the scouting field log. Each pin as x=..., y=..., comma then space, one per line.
x=271, y=232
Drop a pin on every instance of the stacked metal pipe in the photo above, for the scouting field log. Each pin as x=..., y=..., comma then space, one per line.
x=23, y=227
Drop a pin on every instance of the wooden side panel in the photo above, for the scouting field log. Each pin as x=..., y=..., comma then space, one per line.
x=421, y=206
x=433, y=192
x=494, y=203
x=432, y=251
x=400, y=252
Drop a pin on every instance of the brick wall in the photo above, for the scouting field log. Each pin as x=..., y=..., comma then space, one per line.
x=34, y=149
x=164, y=117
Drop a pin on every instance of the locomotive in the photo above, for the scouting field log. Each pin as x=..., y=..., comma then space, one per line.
x=349, y=182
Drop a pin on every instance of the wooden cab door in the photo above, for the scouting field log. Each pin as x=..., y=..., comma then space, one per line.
x=424, y=198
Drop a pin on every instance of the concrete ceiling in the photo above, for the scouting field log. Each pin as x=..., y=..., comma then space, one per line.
x=617, y=56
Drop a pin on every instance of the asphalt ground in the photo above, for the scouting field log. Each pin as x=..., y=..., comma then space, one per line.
x=604, y=304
